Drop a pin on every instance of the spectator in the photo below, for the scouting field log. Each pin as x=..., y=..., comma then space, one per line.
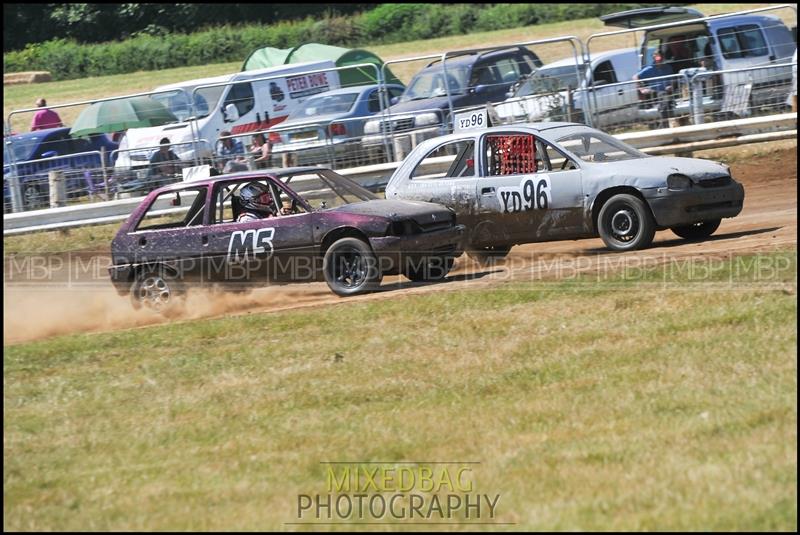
x=657, y=69
x=657, y=91
x=45, y=118
x=164, y=164
x=228, y=148
x=262, y=149
x=678, y=56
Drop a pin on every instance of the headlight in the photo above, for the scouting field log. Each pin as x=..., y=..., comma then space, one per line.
x=403, y=228
x=372, y=127
x=677, y=181
x=424, y=119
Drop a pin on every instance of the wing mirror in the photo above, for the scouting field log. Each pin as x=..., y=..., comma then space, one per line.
x=394, y=100
x=231, y=113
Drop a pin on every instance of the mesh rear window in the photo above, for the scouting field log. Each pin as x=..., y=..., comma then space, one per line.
x=511, y=154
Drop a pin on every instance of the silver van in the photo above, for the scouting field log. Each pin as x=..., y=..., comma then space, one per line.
x=722, y=43
x=543, y=95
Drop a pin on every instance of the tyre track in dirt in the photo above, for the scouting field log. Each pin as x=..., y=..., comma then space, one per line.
x=767, y=222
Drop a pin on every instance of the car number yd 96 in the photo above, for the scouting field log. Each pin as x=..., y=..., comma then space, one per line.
x=531, y=194
x=474, y=120
x=469, y=120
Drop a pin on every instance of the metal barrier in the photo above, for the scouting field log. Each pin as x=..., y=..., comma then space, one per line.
x=749, y=91
x=84, y=170
x=682, y=140
x=10, y=158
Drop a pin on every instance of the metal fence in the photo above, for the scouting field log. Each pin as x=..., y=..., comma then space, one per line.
x=330, y=133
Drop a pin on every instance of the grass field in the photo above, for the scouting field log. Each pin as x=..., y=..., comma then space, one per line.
x=23, y=96
x=646, y=404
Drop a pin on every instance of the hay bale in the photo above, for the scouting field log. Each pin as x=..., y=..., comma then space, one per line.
x=30, y=77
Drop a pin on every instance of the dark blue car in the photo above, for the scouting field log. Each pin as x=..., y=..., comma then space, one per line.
x=470, y=79
x=37, y=153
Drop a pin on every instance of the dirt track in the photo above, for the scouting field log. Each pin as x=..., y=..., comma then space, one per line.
x=768, y=221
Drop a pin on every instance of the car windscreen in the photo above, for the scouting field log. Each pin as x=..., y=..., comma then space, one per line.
x=324, y=105
x=430, y=83
x=179, y=102
x=595, y=146
x=22, y=148
x=325, y=189
x=548, y=80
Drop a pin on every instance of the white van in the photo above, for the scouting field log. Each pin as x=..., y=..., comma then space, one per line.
x=249, y=106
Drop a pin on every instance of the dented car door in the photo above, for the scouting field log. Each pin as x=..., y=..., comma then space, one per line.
x=522, y=195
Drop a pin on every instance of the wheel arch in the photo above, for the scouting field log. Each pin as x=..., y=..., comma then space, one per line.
x=606, y=194
x=341, y=232
x=138, y=268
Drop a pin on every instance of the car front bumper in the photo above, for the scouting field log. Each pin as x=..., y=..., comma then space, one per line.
x=394, y=251
x=673, y=208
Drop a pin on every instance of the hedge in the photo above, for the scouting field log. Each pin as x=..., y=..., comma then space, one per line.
x=388, y=23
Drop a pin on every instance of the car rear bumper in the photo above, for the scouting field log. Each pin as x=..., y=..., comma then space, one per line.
x=675, y=208
x=394, y=251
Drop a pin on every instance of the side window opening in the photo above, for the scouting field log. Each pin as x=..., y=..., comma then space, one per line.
x=174, y=209
x=604, y=73
x=745, y=41
x=484, y=74
x=228, y=207
x=509, y=70
x=554, y=160
x=512, y=154
x=374, y=103
x=241, y=96
x=451, y=160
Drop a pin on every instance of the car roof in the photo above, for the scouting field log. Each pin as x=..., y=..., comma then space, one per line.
x=469, y=57
x=40, y=133
x=244, y=75
x=276, y=173
x=532, y=128
x=744, y=19
x=600, y=56
x=352, y=89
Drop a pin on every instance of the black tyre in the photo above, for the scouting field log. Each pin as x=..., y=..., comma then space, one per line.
x=32, y=196
x=350, y=267
x=432, y=269
x=488, y=255
x=625, y=223
x=698, y=231
x=155, y=288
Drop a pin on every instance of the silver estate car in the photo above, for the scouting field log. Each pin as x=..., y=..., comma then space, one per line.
x=551, y=181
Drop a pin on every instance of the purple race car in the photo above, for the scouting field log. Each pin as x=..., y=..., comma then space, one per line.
x=287, y=225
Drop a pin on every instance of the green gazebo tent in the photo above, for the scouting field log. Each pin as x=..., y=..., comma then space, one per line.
x=271, y=57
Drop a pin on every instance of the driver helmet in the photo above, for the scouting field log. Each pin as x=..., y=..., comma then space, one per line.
x=255, y=197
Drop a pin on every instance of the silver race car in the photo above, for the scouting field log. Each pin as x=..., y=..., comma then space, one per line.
x=553, y=181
